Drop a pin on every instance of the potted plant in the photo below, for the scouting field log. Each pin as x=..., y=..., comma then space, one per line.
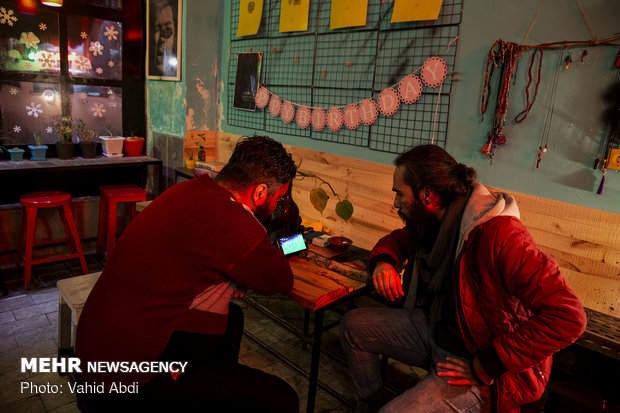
x=16, y=154
x=64, y=131
x=201, y=148
x=86, y=141
x=112, y=145
x=38, y=150
x=189, y=162
x=133, y=144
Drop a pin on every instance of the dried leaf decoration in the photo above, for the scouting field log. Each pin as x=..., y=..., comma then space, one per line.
x=344, y=209
x=319, y=198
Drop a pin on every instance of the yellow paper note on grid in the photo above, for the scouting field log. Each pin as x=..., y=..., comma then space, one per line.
x=294, y=15
x=414, y=10
x=250, y=14
x=348, y=13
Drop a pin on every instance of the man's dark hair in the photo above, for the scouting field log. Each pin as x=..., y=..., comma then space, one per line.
x=431, y=166
x=256, y=160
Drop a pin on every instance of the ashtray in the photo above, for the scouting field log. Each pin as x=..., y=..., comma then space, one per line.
x=339, y=244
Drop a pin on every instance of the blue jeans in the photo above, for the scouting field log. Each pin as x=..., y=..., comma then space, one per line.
x=406, y=336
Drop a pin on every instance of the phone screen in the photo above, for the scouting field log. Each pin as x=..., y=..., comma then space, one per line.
x=292, y=244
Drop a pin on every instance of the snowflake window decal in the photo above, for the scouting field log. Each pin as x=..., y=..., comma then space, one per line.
x=98, y=110
x=111, y=64
x=82, y=63
x=96, y=48
x=17, y=128
x=99, y=70
x=7, y=16
x=30, y=40
x=47, y=61
x=49, y=129
x=110, y=33
x=34, y=109
x=42, y=27
x=83, y=35
x=13, y=91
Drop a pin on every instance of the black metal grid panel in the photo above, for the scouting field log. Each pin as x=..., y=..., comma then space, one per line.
x=299, y=95
x=289, y=61
x=326, y=98
x=338, y=67
x=412, y=125
x=345, y=60
x=401, y=52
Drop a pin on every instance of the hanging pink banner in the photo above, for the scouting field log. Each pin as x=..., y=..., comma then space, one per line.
x=262, y=97
x=434, y=71
x=334, y=119
x=388, y=101
x=351, y=116
x=275, y=104
x=410, y=89
x=303, y=117
x=368, y=111
x=287, y=113
x=318, y=119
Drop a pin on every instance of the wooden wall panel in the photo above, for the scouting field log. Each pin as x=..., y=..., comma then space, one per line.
x=584, y=241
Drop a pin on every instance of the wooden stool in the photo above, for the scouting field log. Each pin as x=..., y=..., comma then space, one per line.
x=30, y=205
x=72, y=295
x=111, y=195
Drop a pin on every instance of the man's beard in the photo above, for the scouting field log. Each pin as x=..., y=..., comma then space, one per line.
x=262, y=213
x=423, y=225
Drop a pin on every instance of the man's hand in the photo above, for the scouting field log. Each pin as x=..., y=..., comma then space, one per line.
x=459, y=369
x=387, y=281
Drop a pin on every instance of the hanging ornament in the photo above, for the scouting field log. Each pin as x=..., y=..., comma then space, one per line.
x=583, y=56
x=567, y=60
x=318, y=119
x=262, y=97
x=275, y=105
x=351, y=116
x=303, y=117
x=287, y=113
x=541, y=151
x=334, y=118
x=600, y=187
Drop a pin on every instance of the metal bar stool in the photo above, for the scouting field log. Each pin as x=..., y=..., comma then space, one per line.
x=111, y=195
x=30, y=205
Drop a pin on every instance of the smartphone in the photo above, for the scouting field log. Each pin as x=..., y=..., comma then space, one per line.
x=292, y=244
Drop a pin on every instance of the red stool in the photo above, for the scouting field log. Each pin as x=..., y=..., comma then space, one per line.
x=30, y=205
x=111, y=195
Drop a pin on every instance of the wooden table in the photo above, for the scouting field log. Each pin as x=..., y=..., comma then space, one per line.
x=317, y=289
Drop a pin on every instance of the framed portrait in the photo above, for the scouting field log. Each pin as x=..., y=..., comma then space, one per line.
x=163, y=31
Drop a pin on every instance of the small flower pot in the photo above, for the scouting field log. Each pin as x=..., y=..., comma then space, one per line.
x=112, y=145
x=64, y=150
x=88, y=149
x=133, y=146
x=190, y=163
x=16, y=154
x=37, y=153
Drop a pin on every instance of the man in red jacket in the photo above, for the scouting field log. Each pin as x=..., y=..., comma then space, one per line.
x=165, y=294
x=484, y=311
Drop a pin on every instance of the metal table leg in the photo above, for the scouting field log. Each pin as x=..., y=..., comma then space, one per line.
x=314, y=362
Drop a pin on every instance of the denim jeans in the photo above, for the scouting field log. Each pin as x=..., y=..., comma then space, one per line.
x=406, y=336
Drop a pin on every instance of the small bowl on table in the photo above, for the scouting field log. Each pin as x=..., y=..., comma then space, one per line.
x=339, y=244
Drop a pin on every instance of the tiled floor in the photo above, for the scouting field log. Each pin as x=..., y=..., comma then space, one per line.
x=28, y=328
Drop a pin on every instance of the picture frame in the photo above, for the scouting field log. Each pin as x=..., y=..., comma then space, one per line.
x=246, y=80
x=163, y=33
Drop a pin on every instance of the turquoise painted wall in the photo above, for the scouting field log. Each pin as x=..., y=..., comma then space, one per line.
x=575, y=130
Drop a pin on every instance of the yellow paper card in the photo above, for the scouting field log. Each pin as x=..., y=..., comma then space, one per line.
x=294, y=15
x=414, y=10
x=250, y=14
x=348, y=13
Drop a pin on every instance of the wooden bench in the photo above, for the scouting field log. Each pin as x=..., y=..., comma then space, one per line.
x=72, y=295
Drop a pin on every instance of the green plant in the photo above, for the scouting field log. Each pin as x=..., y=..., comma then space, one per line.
x=319, y=197
x=83, y=133
x=63, y=129
x=37, y=138
x=131, y=132
x=201, y=147
x=191, y=156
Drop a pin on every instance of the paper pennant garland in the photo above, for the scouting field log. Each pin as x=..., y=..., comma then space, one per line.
x=318, y=119
x=303, y=117
x=432, y=74
x=434, y=71
x=274, y=105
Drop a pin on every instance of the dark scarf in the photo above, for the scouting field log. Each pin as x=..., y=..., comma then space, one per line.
x=436, y=267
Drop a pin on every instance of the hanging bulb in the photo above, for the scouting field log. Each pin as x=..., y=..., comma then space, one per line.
x=27, y=6
x=52, y=3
